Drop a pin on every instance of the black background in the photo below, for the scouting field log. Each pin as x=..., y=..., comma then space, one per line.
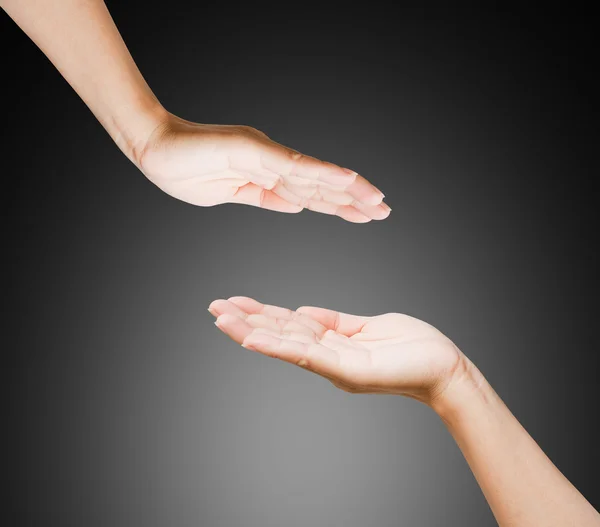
x=128, y=407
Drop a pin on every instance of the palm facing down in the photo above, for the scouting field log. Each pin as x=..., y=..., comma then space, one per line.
x=212, y=164
x=389, y=353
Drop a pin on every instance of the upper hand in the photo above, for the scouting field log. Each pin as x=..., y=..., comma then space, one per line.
x=212, y=164
x=390, y=353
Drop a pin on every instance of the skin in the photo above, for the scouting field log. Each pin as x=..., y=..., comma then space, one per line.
x=400, y=355
x=202, y=164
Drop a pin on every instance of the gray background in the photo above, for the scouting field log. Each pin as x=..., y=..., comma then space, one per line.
x=130, y=408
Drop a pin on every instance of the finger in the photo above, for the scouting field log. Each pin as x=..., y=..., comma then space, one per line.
x=376, y=212
x=252, y=306
x=305, y=183
x=249, y=305
x=251, y=194
x=340, y=322
x=329, y=199
x=345, y=212
x=220, y=307
x=310, y=356
x=260, y=177
x=284, y=192
x=288, y=162
x=316, y=192
x=269, y=178
x=323, y=207
x=365, y=192
x=283, y=333
x=280, y=325
x=336, y=196
x=234, y=327
x=352, y=214
x=302, y=192
x=326, y=201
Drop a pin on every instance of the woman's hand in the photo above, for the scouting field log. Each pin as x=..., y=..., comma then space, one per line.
x=212, y=164
x=392, y=353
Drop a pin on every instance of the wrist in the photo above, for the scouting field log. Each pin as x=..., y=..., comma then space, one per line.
x=467, y=386
x=132, y=126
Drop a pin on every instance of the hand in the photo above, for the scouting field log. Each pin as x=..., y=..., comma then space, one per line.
x=211, y=164
x=392, y=353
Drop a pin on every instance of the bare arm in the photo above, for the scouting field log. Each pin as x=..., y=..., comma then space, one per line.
x=398, y=354
x=82, y=41
x=202, y=164
x=522, y=486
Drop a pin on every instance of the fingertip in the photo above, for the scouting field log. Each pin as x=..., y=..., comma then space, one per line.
x=375, y=212
x=215, y=307
x=224, y=320
x=387, y=210
x=247, y=304
x=236, y=299
x=257, y=341
x=365, y=192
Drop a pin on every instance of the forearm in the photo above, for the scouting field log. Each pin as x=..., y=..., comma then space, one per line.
x=82, y=41
x=520, y=483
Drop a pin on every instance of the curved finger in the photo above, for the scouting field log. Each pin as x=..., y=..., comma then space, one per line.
x=252, y=306
x=260, y=177
x=336, y=196
x=376, y=212
x=249, y=305
x=279, y=325
x=345, y=212
x=220, y=307
x=282, y=333
x=364, y=191
x=285, y=193
x=310, y=356
x=234, y=327
x=251, y=194
x=340, y=322
x=269, y=178
x=352, y=214
x=288, y=162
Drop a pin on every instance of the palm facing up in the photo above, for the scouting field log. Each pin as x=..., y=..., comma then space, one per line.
x=389, y=353
x=212, y=164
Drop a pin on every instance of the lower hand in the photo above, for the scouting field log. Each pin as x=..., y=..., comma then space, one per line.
x=391, y=353
x=211, y=164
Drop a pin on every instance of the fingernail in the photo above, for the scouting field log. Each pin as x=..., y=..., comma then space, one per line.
x=386, y=207
x=213, y=313
x=349, y=172
x=247, y=346
x=218, y=325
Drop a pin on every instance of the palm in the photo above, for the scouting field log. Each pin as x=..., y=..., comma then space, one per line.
x=211, y=164
x=389, y=353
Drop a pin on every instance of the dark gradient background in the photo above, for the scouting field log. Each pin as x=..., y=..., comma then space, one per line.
x=128, y=408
